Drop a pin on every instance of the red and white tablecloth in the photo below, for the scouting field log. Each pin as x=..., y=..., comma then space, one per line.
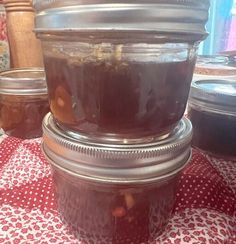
x=205, y=209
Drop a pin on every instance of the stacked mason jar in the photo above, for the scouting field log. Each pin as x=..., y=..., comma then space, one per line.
x=118, y=77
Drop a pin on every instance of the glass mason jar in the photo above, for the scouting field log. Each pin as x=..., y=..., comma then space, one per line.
x=120, y=70
x=23, y=102
x=214, y=67
x=212, y=111
x=109, y=193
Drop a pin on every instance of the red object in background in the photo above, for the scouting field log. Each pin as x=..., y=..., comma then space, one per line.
x=4, y=46
x=204, y=210
x=232, y=35
x=3, y=26
x=3, y=29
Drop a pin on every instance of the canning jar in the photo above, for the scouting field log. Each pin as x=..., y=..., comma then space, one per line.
x=214, y=67
x=110, y=193
x=120, y=70
x=23, y=102
x=212, y=111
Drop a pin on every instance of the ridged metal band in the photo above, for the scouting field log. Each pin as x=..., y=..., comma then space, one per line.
x=23, y=81
x=117, y=162
x=41, y=5
x=170, y=17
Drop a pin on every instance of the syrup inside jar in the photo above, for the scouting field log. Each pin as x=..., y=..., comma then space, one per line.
x=22, y=116
x=118, y=91
x=115, y=213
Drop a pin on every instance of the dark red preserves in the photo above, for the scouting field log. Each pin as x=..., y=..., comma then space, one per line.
x=214, y=132
x=21, y=115
x=103, y=213
x=118, y=99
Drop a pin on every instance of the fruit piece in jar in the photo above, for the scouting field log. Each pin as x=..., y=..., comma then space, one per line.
x=62, y=106
x=119, y=212
x=129, y=200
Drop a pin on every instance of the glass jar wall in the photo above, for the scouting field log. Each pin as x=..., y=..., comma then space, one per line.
x=115, y=91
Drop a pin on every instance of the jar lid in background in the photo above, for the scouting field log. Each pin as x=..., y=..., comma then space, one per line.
x=23, y=81
x=212, y=59
x=156, y=16
x=214, y=96
x=137, y=163
x=212, y=67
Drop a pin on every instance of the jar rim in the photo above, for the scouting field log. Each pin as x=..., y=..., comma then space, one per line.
x=214, y=67
x=117, y=163
x=214, y=95
x=23, y=81
x=212, y=59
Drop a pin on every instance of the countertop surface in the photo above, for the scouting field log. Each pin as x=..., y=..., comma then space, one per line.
x=205, y=209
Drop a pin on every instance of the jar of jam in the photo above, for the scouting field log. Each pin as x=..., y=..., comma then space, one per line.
x=121, y=70
x=23, y=102
x=110, y=193
x=214, y=67
x=212, y=110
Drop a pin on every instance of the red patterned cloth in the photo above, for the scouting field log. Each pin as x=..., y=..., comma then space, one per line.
x=3, y=24
x=4, y=45
x=205, y=210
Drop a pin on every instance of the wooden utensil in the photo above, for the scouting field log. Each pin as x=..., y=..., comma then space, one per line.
x=25, y=48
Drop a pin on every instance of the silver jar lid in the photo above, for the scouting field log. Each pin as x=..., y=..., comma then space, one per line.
x=218, y=96
x=23, y=81
x=137, y=163
x=155, y=16
x=212, y=59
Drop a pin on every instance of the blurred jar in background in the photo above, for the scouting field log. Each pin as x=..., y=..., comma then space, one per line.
x=4, y=47
x=211, y=67
x=23, y=102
